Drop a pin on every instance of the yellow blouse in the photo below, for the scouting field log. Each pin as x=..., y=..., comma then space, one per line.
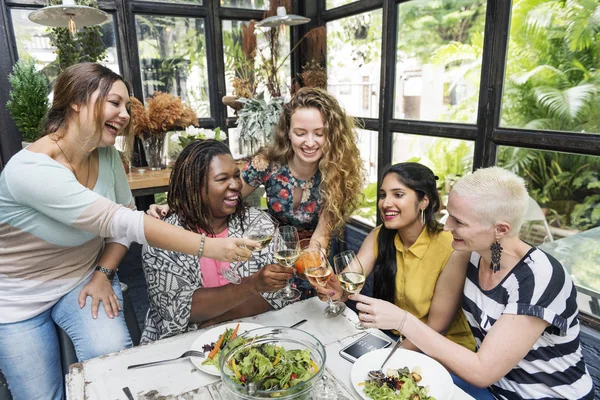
x=418, y=269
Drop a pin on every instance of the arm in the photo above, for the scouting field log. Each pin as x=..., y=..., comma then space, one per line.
x=509, y=340
x=322, y=234
x=99, y=288
x=447, y=295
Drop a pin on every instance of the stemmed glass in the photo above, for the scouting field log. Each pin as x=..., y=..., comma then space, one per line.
x=286, y=250
x=318, y=271
x=261, y=229
x=350, y=273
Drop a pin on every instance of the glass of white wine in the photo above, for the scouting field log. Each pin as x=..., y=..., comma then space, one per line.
x=318, y=272
x=261, y=229
x=286, y=250
x=350, y=273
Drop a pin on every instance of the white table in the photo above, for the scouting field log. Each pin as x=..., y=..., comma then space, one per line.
x=104, y=378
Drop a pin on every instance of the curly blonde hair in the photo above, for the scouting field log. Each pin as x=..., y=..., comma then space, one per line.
x=341, y=167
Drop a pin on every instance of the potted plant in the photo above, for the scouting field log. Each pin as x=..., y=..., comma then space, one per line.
x=163, y=112
x=178, y=140
x=28, y=102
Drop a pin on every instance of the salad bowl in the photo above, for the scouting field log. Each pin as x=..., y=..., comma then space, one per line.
x=272, y=362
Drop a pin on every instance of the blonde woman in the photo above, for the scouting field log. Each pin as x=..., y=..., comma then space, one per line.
x=519, y=301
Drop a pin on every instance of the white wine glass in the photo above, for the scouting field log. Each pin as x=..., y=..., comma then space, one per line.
x=286, y=250
x=260, y=229
x=318, y=271
x=350, y=273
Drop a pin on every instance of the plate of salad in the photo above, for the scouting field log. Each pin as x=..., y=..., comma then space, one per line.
x=213, y=341
x=409, y=376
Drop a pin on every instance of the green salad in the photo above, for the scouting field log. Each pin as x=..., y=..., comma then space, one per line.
x=399, y=384
x=214, y=349
x=272, y=367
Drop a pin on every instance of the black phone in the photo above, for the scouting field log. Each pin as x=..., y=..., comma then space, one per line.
x=363, y=345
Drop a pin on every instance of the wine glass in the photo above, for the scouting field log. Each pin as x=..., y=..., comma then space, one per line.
x=261, y=229
x=318, y=271
x=325, y=389
x=350, y=273
x=286, y=250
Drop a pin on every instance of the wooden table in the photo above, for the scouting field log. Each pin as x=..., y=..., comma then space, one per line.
x=144, y=181
x=105, y=377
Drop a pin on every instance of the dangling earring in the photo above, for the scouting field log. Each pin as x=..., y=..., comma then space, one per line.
x=422, y=217
x=496, y=250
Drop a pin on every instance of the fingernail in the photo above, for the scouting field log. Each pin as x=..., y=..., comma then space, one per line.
x=94, y=316
x=163, y=213
x=331, y=293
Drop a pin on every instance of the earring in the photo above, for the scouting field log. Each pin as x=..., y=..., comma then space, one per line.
x=423, y=217
x=496, y=250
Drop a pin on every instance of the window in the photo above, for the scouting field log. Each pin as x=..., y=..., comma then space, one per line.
x=438, y=63
x=367, y=144
x=553, y=84
x=256, y=4
x=338, y=3
x=172, y=53
x=353, y=53
x=566, y=188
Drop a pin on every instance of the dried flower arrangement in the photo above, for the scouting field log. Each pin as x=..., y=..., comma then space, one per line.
x=163, y=112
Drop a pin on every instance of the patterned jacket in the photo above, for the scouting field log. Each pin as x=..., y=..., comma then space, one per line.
x=173, y=278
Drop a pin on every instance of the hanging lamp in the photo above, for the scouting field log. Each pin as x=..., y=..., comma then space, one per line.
x=282, y=18
x=68, y=15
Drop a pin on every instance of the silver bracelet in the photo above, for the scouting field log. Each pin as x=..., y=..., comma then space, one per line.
x=201, y=250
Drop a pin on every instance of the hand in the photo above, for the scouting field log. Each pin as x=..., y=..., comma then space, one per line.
x=158, y=211
x=100, y=289
x=229, y=249
x=333, y=289
x=375, y=313
x=271, y=278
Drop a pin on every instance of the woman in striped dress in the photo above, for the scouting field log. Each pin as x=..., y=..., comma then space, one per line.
x=519, y=301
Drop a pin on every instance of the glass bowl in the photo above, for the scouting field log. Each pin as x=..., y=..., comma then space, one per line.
x=281, y=337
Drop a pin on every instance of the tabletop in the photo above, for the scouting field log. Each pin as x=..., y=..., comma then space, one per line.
x=144, y=181
x=105, y=377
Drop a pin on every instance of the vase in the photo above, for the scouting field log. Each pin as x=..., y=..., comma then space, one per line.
x=154, y=148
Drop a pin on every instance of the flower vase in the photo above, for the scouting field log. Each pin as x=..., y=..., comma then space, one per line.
x=154, y=148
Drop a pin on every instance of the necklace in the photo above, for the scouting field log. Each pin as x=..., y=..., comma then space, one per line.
x=73, y=168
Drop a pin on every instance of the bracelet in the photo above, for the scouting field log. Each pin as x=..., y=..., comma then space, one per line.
x=201, y=250
x=399, y=329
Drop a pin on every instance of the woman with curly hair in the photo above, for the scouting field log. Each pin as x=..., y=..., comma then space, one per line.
x=310, y=183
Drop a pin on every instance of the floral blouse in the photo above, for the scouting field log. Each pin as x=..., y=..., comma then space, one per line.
x=279, y=186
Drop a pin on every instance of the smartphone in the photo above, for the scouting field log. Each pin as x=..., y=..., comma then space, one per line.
x=363, y=345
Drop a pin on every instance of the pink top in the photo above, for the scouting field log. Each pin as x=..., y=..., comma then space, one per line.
x=209, y=268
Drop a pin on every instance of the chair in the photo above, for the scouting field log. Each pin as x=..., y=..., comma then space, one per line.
x=535, y=213
x=68, y=355
x=4, y=392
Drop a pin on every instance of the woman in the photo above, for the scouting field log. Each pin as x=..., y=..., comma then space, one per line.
x=65, y=223
x=313, y=172
x=184, y=292
x=410, y=256
x=519, y=301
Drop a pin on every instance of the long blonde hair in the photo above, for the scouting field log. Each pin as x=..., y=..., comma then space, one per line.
x=341, y=166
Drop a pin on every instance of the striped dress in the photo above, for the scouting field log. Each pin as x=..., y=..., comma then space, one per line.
x=537, y=286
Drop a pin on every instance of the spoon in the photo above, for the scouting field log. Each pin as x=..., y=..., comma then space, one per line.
x=378, y=374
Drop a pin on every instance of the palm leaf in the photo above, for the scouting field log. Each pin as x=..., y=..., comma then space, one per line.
x=583, y=25
x=568, y=104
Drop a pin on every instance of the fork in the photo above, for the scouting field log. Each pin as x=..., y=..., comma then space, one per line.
x=189, y=353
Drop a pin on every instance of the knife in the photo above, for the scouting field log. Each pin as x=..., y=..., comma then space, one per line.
x=298, y=323
x=128, y=393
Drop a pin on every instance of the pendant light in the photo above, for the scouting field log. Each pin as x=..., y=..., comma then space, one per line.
x=68, y=15
x=282, y=18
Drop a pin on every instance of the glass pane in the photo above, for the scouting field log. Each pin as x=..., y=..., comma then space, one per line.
x=33, y=40
x=438, y=65
x=552, y=71
x=173, y=59
x=338, y=3
x=353, y=62
x=367, y=144
x=247, y=74
x=195, y=2
x=255, y=4
x=449, y=159
x=566, y=188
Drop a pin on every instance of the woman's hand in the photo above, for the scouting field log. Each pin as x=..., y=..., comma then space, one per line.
x=157, y=210
x=100, y=289
x=333, y=289
x=271, y=278
x=229, y=249
x=375, y=313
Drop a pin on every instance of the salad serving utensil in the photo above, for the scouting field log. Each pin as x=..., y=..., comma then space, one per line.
x=189, y=353
x=379, y=374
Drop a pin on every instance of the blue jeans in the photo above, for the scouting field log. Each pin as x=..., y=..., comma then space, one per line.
x=473, y=391
x=29, y=350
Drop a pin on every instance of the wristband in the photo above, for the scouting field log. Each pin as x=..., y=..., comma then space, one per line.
x=108, y=272
x=201, y=250
x=399, y=329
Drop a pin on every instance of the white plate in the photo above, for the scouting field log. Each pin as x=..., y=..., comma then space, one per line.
x=434, y=374
x=213, y=335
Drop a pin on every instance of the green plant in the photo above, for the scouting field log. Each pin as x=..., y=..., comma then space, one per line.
x=28, y=102
x=86, y=46
x=192, y=133
x=257, y=119
x=449, y=160
x=368, y=205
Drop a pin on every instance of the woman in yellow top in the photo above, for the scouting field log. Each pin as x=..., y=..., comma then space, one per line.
x=411, y=257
